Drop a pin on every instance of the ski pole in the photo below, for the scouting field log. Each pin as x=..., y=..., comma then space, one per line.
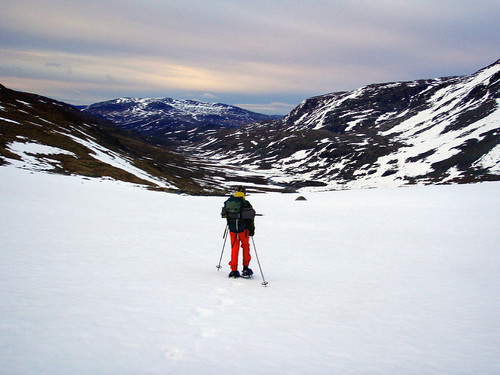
x=264, y=282
x=223, y=245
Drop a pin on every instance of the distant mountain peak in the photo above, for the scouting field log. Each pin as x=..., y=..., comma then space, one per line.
x=172, y=119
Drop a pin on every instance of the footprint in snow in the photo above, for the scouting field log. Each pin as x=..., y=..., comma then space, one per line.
x=207, y=332
x=204, y=312
x=174, y=354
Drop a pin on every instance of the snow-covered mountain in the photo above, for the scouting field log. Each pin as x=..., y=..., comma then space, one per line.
x=38, y=133
x=426, y=131
x=444, y=130
x=172, y=120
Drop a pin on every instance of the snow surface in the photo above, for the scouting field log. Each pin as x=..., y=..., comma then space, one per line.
x=102, y=277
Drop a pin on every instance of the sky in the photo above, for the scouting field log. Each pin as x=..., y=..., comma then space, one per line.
x=265, y=56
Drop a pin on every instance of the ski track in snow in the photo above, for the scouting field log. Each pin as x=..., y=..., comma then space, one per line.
x=103, y=277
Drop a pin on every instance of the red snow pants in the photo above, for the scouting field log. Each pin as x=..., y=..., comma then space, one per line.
x=237, y=239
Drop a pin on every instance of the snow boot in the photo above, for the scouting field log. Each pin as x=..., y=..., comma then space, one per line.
x=247, y=272
x=234, y=274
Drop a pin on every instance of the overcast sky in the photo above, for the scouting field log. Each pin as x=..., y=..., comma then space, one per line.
x=266, y=55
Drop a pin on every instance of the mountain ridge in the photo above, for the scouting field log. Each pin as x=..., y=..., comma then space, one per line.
x=172, y=120
x=431, y=131
x=439, y=130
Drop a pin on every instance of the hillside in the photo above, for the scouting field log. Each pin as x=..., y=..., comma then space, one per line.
x=444, y=130
x=38, y=133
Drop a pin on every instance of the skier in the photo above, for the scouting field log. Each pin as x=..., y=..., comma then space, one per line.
x=240, y=220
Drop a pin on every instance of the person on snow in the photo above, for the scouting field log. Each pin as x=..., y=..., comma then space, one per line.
x=240, y=220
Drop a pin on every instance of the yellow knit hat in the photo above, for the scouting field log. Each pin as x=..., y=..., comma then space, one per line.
x=239, y=194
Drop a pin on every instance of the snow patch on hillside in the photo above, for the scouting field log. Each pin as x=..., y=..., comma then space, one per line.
x=28, y=150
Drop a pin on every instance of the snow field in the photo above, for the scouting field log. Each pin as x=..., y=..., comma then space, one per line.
x=100, y=277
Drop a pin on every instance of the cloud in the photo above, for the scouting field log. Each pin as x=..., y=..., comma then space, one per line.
x=126, y=47
x=150, y=71
x=270, y=108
